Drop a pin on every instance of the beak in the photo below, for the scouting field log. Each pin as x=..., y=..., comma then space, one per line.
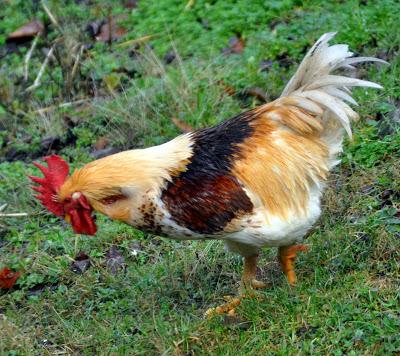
x=67, y=218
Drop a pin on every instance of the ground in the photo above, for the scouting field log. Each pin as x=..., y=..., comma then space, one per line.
x=171, y=65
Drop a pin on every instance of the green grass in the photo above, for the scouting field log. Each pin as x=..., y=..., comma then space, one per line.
x=347, y=298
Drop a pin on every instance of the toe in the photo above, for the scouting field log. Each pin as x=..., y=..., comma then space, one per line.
x=258, y=284
x=227, y=308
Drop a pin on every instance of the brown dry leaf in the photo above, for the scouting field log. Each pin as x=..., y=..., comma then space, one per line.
x=131, y=4
x=101, y=143
x=81, y=264
x=26, y=32
x=169, y=57
x=265, y=65
x=236, y=45
x=115, y=260
x=105, y=152
x=104, y=31
x=183, y=126
x=235, y=322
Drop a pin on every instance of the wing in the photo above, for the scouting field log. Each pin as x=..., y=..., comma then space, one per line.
x=207, y=196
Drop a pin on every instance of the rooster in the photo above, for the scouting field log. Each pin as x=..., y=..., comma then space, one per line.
x=252, y=181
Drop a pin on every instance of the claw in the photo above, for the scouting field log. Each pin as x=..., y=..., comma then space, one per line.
x=247, y=290
x=258, y=284
x=227, y=308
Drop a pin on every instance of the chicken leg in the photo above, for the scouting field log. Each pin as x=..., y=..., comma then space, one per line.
x=249, y=280
x=248, y=284
x=287, y=256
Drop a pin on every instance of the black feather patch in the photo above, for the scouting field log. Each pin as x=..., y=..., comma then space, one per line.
x=216, y=147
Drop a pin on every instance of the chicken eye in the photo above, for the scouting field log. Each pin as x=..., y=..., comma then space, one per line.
x=76, y=195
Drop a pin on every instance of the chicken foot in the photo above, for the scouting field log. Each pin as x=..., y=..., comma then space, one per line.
x=248, y=285
x=287, y=256
x=249, y=280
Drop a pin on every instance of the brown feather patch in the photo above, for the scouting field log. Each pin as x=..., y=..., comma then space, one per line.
x=207, y=205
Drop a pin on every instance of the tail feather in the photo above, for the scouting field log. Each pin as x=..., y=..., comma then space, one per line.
x=314, y=85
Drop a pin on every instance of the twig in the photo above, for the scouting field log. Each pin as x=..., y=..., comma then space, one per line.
x=135, y=41
x=29, y=55
x=13, y=214
x=51, y=16
x=110, y=27
x=189, y=4
x=63, y=105
x=3, y=207
x=37, y=83
x=75, y=67
x=70, y=78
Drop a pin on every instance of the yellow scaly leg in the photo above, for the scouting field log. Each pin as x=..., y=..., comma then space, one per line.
x=249, y=283
x=287, y=256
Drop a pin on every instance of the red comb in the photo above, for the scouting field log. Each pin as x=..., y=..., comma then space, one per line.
x=55, y=174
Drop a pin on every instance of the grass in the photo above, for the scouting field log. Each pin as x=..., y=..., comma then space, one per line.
x=347, y=298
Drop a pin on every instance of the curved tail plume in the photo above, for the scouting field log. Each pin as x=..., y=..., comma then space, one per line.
x=314, y=87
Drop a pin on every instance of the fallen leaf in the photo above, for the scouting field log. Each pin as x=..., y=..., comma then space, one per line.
x=50, y=142
x=26, y=32
x=235, y=322
x=284, y=60
x=131, y=4
x=93, y=28
x=104, y=152
x=8, y=278
x=183, y=126
x=115, y=260
x=236, y=45
x=81, y=264
x=70, y=122
x=101, y=143
x=306, y=330
x=169, y=57
x=40, y=288
x=367, y=189
x=265, y=65
x=104, y=35
x=386, y=194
